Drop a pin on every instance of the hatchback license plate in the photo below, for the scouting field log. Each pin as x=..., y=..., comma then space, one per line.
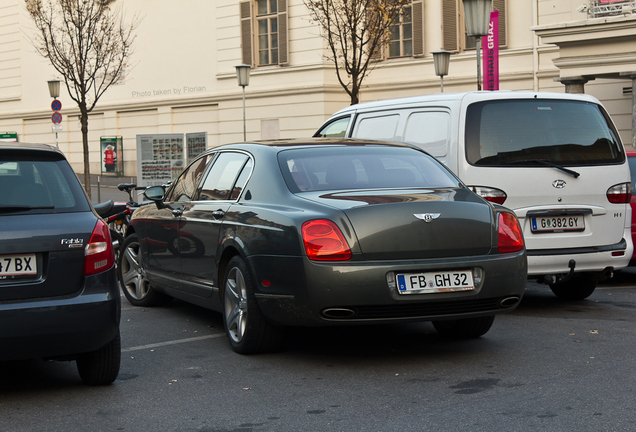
x=434, y=282
x=558, y=223
x=18, y=265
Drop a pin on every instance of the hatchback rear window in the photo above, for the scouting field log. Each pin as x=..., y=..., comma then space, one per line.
x=39, y=185
x=528, y=132
x=362, y=167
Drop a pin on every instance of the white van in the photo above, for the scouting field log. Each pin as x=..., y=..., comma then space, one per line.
x=555, y=159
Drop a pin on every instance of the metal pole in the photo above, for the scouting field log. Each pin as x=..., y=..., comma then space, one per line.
x=56, y=144
x=441, y=78
x=244, y=127
x=478, y=49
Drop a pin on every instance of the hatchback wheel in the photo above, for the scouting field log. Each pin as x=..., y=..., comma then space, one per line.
x=579, y=287
x=247, y=329
x=467, y=328
x=101, y=367
x=132, y=276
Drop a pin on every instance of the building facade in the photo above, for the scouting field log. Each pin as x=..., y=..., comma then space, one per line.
x=181, y=78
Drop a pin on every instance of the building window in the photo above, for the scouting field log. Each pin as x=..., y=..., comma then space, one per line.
x=264, y=32
x=267, y=26
x=401, y=43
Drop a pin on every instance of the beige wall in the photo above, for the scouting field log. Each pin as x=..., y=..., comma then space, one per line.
x=181, y=77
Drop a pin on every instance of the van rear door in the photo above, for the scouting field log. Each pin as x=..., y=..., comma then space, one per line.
x=558, y=162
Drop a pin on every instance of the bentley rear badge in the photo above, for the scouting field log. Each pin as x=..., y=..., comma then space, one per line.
x=427, y=217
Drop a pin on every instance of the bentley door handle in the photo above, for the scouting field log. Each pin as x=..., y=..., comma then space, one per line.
x=218, y=214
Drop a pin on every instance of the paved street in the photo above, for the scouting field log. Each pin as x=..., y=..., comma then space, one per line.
x=550, y=366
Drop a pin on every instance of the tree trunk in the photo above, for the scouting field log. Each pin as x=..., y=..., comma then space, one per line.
x=87, y=167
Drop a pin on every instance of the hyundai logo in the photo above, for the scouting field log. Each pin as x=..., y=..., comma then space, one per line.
x=559, y=184
x=427, y=217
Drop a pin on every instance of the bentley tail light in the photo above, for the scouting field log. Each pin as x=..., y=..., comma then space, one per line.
x=324, y=241
x=620, y=193
x=490, y=194
x=510, y=237
x=99, y=255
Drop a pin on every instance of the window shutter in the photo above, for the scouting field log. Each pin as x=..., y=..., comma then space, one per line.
x=377, y=54
x=246, y=31
x=283, y=50
x=449, y=25
x=500, y=5
x=418, y=31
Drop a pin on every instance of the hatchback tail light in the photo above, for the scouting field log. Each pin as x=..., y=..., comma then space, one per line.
x=324, y=241
x=490, y=194
x=510, y=237
x=620, y=193
x=99, y=255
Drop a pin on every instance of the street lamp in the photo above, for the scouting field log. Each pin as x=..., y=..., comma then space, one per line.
x=477, y=17
x=243, y=77
x=54, y=88
x=441, y=60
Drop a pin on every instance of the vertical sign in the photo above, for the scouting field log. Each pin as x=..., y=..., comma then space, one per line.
x=491, y=54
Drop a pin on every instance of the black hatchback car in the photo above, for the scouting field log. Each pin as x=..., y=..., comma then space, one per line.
x=59, y=297
x=325, y=232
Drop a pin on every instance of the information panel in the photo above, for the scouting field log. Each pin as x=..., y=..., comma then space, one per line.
x=196, y=144
x=160, y=158
x=112, y=154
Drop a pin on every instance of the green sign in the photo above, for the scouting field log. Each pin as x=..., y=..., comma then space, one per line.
x=112, y=155
x=9, y=136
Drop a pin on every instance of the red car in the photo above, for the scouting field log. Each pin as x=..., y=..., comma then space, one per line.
x=631, y=158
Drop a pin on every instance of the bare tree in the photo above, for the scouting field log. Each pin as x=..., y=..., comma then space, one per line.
x=355, y=31
x=88, y=43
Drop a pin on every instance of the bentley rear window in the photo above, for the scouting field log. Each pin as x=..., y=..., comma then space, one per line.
x=534, y=131
x=362, y=167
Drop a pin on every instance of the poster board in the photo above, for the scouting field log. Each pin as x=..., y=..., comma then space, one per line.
x=160, y=158
x=112, y=155
x=196, y=144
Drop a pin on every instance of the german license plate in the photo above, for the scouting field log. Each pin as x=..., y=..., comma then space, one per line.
x=18, y=265
x=434, y=282
x=558, y=223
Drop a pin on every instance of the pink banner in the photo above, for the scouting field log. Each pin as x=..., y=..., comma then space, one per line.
x=491, y=54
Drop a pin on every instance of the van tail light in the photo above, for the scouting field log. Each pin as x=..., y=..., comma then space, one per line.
x=620, y=193
x=324, y=241
x=510, y=237
x=490, y=194
x=99, y=255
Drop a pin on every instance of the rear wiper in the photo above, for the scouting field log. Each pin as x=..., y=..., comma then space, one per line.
x=18, y=208
x=547, y=163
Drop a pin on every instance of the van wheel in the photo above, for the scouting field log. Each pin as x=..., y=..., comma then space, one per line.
x=579, y=287
x=467, y=328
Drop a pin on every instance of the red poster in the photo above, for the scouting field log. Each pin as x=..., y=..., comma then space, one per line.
x=491, y=54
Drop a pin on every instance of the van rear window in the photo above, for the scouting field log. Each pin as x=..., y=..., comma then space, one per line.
x=529, y=132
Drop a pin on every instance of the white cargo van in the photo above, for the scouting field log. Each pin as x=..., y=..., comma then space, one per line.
x=555, y=159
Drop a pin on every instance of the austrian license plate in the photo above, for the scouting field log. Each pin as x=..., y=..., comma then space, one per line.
x=434, y=282
x=558, y=223
x=18, y=265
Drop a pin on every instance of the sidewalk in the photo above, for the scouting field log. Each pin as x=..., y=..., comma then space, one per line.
x=106, y=180
x=104, y=187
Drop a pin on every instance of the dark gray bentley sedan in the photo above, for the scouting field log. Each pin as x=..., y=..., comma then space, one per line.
x=324, y=232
